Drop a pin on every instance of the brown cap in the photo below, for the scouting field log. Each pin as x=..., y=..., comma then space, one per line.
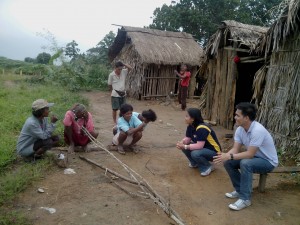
x=40, y=104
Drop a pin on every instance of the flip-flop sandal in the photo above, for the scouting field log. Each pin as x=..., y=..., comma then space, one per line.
x=121, y=151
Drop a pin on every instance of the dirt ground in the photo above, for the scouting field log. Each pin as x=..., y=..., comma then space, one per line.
x=88, y=197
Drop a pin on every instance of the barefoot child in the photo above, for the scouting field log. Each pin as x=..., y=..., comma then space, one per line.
x=129, y=129
x=146, y=116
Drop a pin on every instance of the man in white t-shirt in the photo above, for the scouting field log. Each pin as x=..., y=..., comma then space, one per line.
x=260, y=156
x=116, y=84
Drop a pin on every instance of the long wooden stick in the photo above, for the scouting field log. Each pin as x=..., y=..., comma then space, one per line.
x=142, y=183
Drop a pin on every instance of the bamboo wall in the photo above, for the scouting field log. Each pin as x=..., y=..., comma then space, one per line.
x=151, y=80
x=159, y=81
x=221, y=86
x=279, y=110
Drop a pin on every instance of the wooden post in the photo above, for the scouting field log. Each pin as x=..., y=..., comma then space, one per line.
x=262, y=182
x=21, y=72
x=224, y=77
x=192, y=85
x=230, y=90
x=2, y=71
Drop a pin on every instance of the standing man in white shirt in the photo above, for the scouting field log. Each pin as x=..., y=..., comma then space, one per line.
x=116, y=84
x=260, y=156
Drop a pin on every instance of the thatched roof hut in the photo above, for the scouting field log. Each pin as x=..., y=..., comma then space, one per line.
x=155, y=54
x=278, y=85
x=229, y=70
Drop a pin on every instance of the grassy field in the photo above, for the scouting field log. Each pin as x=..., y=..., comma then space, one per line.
x=16, y=97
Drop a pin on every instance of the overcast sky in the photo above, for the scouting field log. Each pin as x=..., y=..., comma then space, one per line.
x=85, y=21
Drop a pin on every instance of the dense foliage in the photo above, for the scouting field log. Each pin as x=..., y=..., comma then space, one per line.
x=202, y=18
x=43, y=58
x=99, y=54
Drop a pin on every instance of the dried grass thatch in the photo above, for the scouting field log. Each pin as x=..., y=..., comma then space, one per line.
x=157, y=47
x=154, y=55
x=282, y=28
x=231, y=31
x=279, y=109
x=232, y=39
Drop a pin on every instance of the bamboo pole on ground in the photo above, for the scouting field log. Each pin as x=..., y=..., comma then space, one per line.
x=136, y=179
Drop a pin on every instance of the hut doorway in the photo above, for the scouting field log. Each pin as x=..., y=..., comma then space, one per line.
x=244, y=82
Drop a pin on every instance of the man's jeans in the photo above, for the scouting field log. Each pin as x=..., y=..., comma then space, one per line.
x=200, y=158
x=242, y=180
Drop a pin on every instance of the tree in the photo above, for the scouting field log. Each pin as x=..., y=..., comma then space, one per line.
x=71, y=50
x=43, y=58
x=29, y=60
x=99, y=54
x=55, y=56
x=201, y=18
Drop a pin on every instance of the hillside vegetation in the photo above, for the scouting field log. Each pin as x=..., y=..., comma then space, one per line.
x=16, y=96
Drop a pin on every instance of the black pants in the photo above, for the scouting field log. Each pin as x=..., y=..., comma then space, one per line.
x=182, y=95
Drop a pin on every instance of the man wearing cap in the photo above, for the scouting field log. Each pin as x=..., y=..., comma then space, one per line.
x=116, y=84
x=36, y=135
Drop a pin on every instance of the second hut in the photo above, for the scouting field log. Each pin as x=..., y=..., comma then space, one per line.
x=154, y=55
x=230, y=69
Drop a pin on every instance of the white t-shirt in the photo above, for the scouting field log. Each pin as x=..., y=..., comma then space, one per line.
x=258, y=136
x=117, y=82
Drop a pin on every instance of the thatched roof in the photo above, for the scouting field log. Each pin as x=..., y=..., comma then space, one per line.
x=287, y=23
x=158, y=47
x=244, y=35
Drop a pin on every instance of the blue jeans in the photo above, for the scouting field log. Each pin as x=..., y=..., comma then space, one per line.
x=242, y=179
x=200, y=157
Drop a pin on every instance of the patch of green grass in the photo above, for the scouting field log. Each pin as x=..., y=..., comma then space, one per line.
x=20, y=175
x=16, y=97
x=15, y=106
x=9, y=217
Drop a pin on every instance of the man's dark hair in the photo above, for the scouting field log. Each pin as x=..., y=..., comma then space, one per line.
x=150, y=115
x=196, y=115
x=125, y=108
x=38, y=113
x=119, y=64
x=247, y=109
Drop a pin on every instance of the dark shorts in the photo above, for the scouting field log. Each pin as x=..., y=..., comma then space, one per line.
x=116, y=102
x=46, y=144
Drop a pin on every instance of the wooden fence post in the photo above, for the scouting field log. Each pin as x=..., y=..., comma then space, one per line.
x=21, y=72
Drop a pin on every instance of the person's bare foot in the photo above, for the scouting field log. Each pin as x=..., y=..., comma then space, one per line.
x=86, y=148
x=121, y=150
x=134, y=148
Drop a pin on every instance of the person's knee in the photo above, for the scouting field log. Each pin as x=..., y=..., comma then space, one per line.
x=228, y=164
x=138, y=135
x=196, y=154
x=95, y=134
x=115, y=130
x=122, y=135
x=246, y=164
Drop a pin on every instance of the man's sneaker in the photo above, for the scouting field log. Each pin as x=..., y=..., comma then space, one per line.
x=240, y=204
x=208, y=171
x=233, y=194
x=193, y=166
